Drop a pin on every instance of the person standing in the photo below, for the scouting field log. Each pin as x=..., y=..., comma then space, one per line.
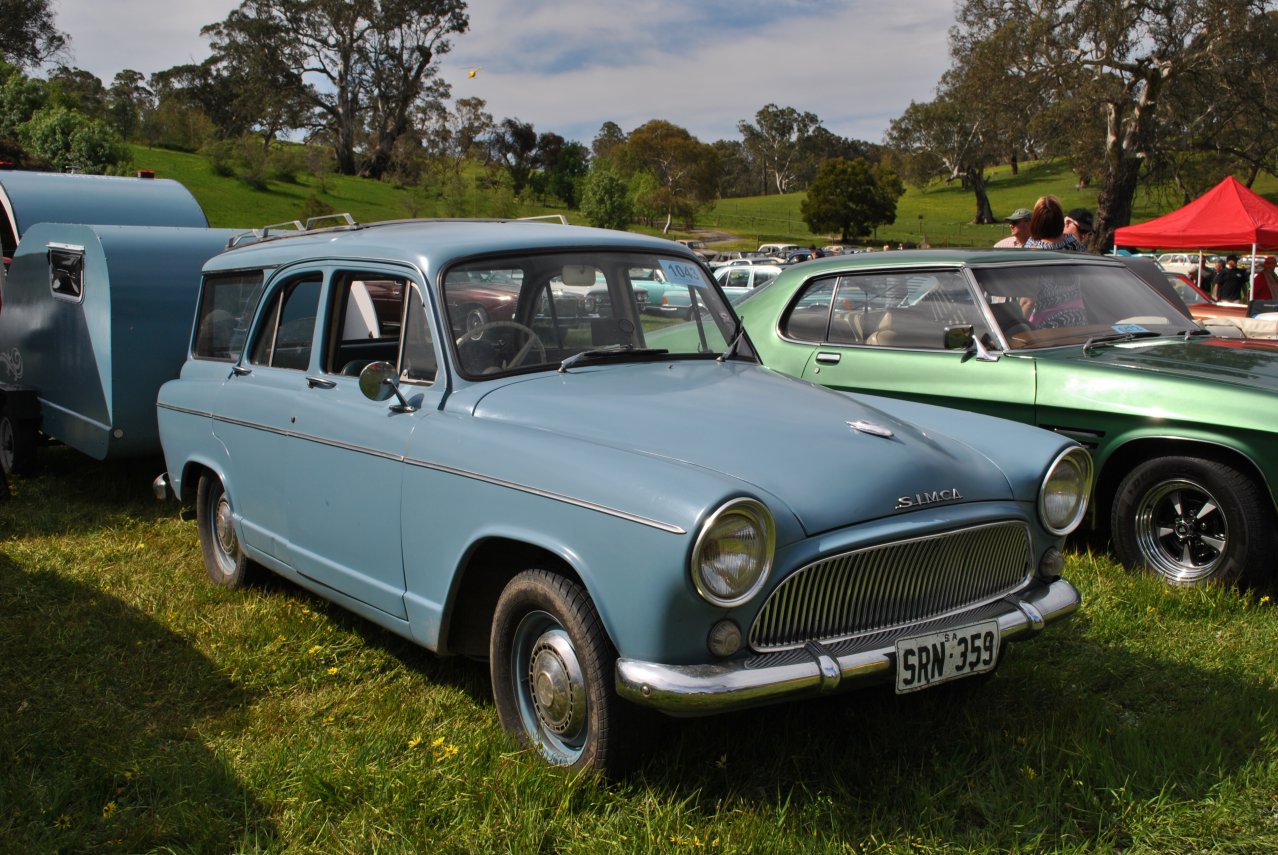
x=1078, y=222
x=1227, y=286
x=1264, y=284
x=1047, y=227
x=1018, y=220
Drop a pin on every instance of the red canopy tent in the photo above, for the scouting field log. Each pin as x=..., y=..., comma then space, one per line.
x=1227, y=217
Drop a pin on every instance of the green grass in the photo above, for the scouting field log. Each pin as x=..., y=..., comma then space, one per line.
x=941, y=213
x=143, y=710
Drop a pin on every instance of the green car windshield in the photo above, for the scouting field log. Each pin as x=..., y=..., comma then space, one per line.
x=537, y=311
x=1050, y=305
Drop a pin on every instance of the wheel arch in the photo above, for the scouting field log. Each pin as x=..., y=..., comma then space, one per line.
x=484, y=572
x=1134, y=452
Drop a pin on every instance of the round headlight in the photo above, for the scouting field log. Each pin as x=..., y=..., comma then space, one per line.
x=1062, y=501
x=734, y=553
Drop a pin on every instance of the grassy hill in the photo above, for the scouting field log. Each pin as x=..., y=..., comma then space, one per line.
x=939, y=212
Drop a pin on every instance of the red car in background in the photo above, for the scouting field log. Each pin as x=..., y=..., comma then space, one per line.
x=1200, y=305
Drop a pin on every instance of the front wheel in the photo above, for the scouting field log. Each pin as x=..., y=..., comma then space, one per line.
x=1193, y=521
x=224, y=560
x=552, y=672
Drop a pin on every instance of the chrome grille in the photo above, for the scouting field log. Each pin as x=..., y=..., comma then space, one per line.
x=883, y=586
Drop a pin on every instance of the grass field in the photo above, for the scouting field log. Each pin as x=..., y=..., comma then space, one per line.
x=142, y=710
x=940, y=213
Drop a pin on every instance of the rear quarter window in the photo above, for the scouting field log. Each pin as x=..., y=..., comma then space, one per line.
x=227, y=301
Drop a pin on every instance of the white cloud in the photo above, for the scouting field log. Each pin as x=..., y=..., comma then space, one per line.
x=569, y=67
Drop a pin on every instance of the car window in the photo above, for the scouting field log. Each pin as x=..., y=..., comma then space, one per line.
x=1062, y=304
x=288, y=326
x=227, y=301
x=534, y=311
x=903, y=308
x=368, y=312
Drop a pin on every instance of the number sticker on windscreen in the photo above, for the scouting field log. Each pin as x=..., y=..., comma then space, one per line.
x=682, y=273
x=1129, y=329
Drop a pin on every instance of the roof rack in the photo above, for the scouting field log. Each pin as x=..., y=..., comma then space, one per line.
x=291, y=228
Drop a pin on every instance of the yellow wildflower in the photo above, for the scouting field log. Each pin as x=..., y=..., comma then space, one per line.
x=63, y=821
x=722, y=762
x=1264, y=599
x=414, y=742
x=437, y=742
x=332, y=671
x=314, y=649
x=108, y=809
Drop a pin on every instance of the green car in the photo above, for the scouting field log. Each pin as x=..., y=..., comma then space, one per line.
x=1183, y=426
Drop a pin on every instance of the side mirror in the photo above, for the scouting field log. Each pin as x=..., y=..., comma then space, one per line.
x=959, y=337
x=379, y=381
x=963, y=337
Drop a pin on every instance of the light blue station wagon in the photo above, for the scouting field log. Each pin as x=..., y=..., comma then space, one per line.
x=611, y=522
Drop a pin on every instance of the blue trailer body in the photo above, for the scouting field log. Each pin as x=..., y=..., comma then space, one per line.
x=27, y=198
x=94, y=352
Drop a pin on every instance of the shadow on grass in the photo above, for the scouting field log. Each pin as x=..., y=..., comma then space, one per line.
x=99, y=712
x=72, y=493
x=1071, y=742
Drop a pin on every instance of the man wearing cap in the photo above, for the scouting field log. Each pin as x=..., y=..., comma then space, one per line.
x=1019, y=220
x=1078, y=223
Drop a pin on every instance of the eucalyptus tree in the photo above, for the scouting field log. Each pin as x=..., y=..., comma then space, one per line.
x=1119, y=59
x=361, y=66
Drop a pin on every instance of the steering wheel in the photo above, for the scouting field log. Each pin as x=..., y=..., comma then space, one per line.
x=477, y=333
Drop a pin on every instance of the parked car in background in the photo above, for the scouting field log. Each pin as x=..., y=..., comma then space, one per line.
x=557, y=499
x=1180, y=422
x=1201, y=306
x=779, y=250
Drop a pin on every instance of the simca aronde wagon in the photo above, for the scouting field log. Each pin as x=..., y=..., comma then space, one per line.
x=511, y=488
x=96, y=319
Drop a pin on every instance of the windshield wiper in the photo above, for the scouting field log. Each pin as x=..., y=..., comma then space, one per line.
x=1118, y=338
x=612, y=353
x=1195, y=331
x=738, y=333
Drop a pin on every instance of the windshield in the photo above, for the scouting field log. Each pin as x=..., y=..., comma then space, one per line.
x=537, y=311
x=1047, y=305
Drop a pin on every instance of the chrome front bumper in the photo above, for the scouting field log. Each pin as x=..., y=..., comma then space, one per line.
x=692, y=690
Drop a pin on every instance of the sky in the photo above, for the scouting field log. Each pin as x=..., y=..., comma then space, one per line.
x=568, y=67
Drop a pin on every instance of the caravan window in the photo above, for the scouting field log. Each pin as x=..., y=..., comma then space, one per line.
x=66, y=271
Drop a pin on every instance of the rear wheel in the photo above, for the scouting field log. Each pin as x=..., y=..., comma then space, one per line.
x=18, y=441
x=552, y=673
x=224, y=560
x=1193, y=521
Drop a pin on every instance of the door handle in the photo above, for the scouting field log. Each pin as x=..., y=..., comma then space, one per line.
x=320, y=383
x=829, y=358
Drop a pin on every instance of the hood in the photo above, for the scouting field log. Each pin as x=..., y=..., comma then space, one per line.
x=770, y=432
x=1245, y=362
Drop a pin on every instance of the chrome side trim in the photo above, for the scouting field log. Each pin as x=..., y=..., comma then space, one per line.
x=185, y=410
x=694, y=690
x=546, y=494
x=447, y=470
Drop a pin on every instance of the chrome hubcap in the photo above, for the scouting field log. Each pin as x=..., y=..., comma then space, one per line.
x=224, y=529
x=1181, y=531
x=557, y=685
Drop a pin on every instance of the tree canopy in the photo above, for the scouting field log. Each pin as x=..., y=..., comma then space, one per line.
x=372, y=62
x=28, y=37
x=851, y=198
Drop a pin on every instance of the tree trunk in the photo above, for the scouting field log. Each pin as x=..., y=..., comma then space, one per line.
x=984, y=213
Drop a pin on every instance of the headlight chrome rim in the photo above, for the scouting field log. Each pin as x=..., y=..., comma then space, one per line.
x=756, y=512
x=1079, y=458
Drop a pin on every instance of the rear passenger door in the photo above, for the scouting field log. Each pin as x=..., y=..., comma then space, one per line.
x=255, y=409
x=345, y=455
